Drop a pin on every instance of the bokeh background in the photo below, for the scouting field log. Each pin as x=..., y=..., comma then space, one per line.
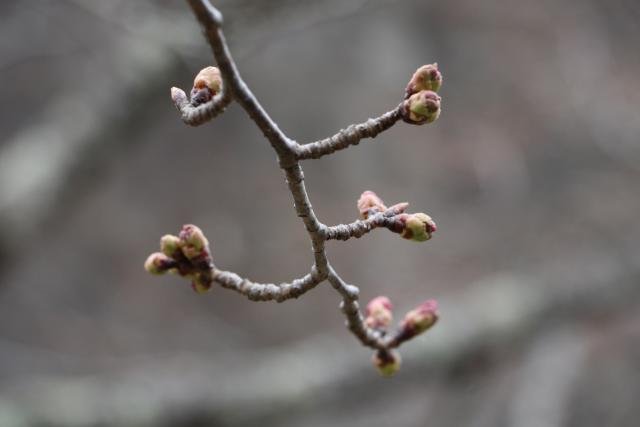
x=532, y=174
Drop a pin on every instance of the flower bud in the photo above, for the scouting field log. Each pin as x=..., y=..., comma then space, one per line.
x=206, y=85
x=369, y=201
x=420, y=108
x=159, y=263
x=201, y=283
x=427, y=77
x=378, y=313
x=170, y=245
x=418, y=227
x=387, y=362
x=419, y=319
x=192, y=241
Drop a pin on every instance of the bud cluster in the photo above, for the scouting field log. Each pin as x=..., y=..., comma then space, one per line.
x=206, y=85
x=378, y=316
x=417, y=227
x=187, y=255
x=422, y=103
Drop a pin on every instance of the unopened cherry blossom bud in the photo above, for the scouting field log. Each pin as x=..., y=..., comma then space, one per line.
x=170, y=245
x=370, y=202
x=387, y=362
x=159, y=263
x=378, y=313
x=201, y=283
x=206, y=85
x=419, y=319
x=427, y=77
x=420, y=108
x=418, y=227
x=192, y=241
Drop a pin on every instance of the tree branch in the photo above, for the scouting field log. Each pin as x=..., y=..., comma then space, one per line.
x=267, y=291
x=349, y=136
x=189, y=254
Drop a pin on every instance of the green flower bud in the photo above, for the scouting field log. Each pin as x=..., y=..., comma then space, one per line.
x=378, y=313
x=201, y=283
x=159, y=263
x=418, y=227
x=420, y=108
x=419, y=319
x=192, y=241
x=368, y=202
x=206, y=85
x=170, y=245
x=427, y=77
x=387, y=362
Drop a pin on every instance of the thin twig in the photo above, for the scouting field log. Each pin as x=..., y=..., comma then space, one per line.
x=349, y=136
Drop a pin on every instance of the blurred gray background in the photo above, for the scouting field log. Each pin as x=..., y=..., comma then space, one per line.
x=531, y=173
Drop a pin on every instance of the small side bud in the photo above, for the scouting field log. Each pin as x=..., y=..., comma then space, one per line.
x=192, y=241
x=427, y=77
x=170, y=245
x=178, y=97
x=419, y=319
x=378, y=313
x=370, y=202
x=387, y=362
x=206, y=85
x=418, y=227
x=420, y=108
x=397, y=209
x=159, y=263
x=201, y=283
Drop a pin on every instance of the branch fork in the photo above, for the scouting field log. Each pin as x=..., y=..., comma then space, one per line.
x=188, y=254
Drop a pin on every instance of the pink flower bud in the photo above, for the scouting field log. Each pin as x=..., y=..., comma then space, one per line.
x=427, y=77
x=378, y=313
x=387, y=362
x=159, y=263
x=420, y=108
x=370, y=202
x=192, y=241
x=419, y=319
x=418, y=227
